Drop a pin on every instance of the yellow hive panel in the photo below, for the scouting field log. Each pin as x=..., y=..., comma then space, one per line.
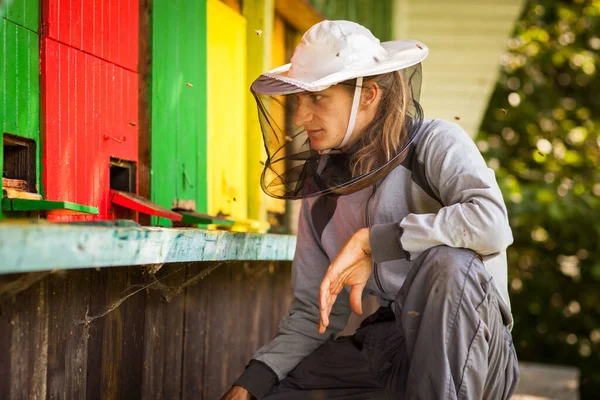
x=227, y=192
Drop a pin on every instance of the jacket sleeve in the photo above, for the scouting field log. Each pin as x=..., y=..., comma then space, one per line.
x=473, y=215
x=298, y=334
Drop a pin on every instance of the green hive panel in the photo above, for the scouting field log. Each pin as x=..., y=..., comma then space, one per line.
x=19, y=83
x=178, y=104
x=22, y=12
x=46, y=205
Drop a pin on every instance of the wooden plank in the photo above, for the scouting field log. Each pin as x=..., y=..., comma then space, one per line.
x=198, y=218
x=230, y=340
x=39, y=340
x=259, y=283
x=239, y=295
x=6, y=314
x=97, y=304
x=19, y=349
x=283, y=293
x=68, y=334
x=195, y=334
x=174, y=303
x=116, y=334
x=17, y=184
x=112, y=334
x=58, y=297
x=133, y=315
x=145, y=339
x=219, y=349
x=20, y=204
x=154, y=352
x=163, y=333
x=12, y=194
x=29, y=343
x=35, y=247
x=142, y=205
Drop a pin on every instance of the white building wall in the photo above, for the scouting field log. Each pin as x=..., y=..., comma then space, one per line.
x=466, y=39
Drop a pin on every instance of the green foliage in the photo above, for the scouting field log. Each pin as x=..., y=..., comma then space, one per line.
x=541, y=135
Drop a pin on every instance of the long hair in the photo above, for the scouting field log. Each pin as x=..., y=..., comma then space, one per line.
x=386, y=134
x=383, y=138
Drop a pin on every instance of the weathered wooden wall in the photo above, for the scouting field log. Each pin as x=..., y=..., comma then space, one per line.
x=127, y=333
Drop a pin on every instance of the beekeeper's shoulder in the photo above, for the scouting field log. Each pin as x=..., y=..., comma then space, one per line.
x=440, y=135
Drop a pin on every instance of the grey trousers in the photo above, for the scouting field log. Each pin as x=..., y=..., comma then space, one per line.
x=444, y=336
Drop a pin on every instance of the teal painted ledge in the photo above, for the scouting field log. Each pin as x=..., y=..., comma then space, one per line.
x=27, y=247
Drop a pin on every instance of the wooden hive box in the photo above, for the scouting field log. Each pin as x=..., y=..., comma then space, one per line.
x=19, y=108
x=89, y=66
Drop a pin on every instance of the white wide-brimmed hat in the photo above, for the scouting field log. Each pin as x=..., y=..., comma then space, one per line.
x=330, y=53
x=336, y=51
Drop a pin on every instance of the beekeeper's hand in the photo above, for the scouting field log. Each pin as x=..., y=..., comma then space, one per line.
x=352, y=267
x=237, y=393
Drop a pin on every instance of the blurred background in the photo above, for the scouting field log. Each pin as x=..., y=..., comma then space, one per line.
x=540, y=133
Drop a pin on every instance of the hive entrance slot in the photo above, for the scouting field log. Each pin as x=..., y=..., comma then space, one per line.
x=18, y=171
x=123, y=179
x=122, y=175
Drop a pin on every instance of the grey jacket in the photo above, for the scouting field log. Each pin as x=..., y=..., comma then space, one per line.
x=442, y=194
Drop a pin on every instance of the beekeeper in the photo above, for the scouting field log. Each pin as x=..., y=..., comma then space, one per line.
x=394, y=206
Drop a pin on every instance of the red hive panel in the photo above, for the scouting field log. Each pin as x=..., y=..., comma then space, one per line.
x=90, y=115
x=105, y=28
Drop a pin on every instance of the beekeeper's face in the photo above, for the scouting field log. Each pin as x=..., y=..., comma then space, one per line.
x=325, y=115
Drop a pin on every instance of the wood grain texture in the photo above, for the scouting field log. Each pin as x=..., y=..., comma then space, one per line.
x=196, y=335
x=24, y=246
x=133, y=315
x=28, y=321
x=186, y=331
x=68, y=335
x=112, y=336
x=97, y=303
x=164, y=327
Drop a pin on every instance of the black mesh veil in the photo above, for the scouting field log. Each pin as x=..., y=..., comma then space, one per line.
x=294, y=170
